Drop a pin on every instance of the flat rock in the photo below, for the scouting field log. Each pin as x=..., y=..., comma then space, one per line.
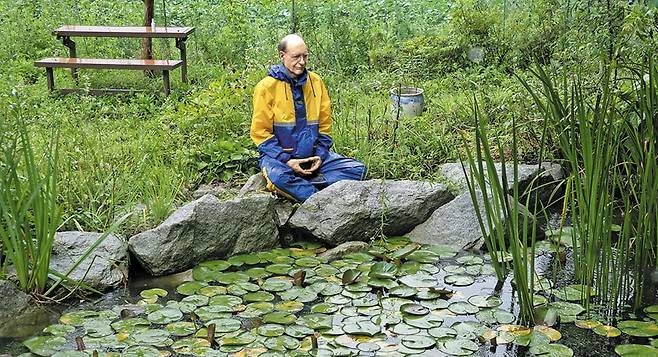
x=19, y=314
x=105, y=268
x=363, y=210
x=255, y=184
x=456, y=224
x=217, y=190
x=344, y=249
x=207, y=229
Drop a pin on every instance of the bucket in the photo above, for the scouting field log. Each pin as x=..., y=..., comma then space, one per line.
x=411, y=101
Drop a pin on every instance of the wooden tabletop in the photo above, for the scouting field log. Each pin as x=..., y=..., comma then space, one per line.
x=112, y=31
x=98, y=63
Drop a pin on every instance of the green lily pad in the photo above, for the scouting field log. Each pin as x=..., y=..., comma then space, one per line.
x=257, y=309
x=192, y=346
x=98, y=327
x=279, y=269
x=306, y=295
x=417, y=341
x=424, y=322
x=78, y=318
x=419, y=280
x=225, y=325
x=211, y=291
x=289, y=306
x=442, y=332
x=131, y=325
x=165, y=316
x=383, y=270
x=308, y=262
x=404, y=329
x=572, y=292
x=207, y=313
x=458, y=280
x=276, y=284
x=257, y=273
x=281, y=343
x=458, y=347
x=495, y=315
x=196, y=300
x=443, y=250
x=190, y=287
x=59, y=330
x=153, y=293
x=403, y=291
x=324, y=308
x=69, y=354
x=298, y=331
x=156, y=338
x=533, y=338
x=463, y=308
x=141, y=351
x=227, y=301
x=485, y=301
x=454, y=269
x=470, y=260
x=239, y=339
x=607, y=331
x=279, y=317
x=258, y=296
x=403, y=252
x=633, y=350
x=638, y=328
x=423, y=256
x=551, y=350
x=181, y=328
x=316, y=321
x=45, y=345
x=436, y=304
x=242, y=259
x=361, y=327
x=232, y=278
x=271, y=330
x=414, y=309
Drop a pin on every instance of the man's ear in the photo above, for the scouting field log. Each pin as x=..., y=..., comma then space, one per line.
x=281, y=53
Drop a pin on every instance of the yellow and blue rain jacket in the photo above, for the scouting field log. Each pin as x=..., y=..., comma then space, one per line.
x=291, y=116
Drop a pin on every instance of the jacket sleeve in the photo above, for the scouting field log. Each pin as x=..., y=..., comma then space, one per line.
x=262, y=120
x=324, y=142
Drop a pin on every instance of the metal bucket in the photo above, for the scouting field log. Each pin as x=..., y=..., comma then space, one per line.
x=411, y=101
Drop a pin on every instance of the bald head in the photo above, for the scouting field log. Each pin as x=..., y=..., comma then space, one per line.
x=290, y=40
x=293, y=54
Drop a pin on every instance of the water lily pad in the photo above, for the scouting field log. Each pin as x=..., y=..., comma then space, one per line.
x=485, y=301
x=634, y=350
x=553, y=334
x=78, y=318
x=181, y=328
x=495, y=316
x=227, y=301
x=361, y=327
x=207, y=313
x=306, y=295
x=141, y=351
x=454, y=269
x=165, y=316
x=279, y=269
x=607, y=331
x=239, y=339
x=551, y=350
x=153, y=293
x=419, y=280
x=59, y=329
x=232, y=278
x=463, y=308
x=45, y=345
x=298, y=331
x=257, y=273
x=131, y=325
x=191, y=346
x=316, y=321
x=196, y=300
x=403, y=252
x=534, y=338
x=424, y=322
x=279, y=317
x=276, y=284
x=441, y=332
x=458, y=280
x=211, y=291
x=224, y=325
x=470, y=260
x=414, y=309
x=308, y=262
x=68, y=354
x=403, y=291
x=458, y=347
x=435, y=304
x=638, y=328
x=190, y=287
x=257, y=309
x=324, y=308
x=258, y=296
x=156, y=338
x=423, y=256
x=443, y=250
x=383, y=270
x=572, y=292
x=587, y=324
x=243, y=259
x=417, y=341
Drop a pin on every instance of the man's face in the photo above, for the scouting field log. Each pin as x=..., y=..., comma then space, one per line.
x=294, y=57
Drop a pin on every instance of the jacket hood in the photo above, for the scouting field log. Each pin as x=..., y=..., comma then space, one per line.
x=281, y=73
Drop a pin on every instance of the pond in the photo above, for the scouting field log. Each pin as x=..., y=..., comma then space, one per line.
x=396, y=299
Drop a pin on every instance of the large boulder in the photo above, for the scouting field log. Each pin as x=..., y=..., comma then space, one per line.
x=545, y=173
x=362, y=210
x=207, y=229
x=254, y=185
x=456, y=224
x=105, y=268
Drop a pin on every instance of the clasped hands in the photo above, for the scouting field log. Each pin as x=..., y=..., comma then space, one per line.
x=305, y=167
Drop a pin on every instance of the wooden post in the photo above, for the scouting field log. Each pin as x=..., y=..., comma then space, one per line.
x=50, y=79
x=165, y=78
x=147, y=44
x=180, y=44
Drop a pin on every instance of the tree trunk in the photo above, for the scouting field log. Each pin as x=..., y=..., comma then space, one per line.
x=147, y=45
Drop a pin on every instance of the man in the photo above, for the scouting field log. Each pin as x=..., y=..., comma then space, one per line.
x=291, y=125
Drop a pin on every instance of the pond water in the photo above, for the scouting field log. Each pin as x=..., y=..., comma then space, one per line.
x=425, y=301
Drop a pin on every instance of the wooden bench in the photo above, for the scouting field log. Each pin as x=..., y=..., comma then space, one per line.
x=97, y=63
x=180, y=34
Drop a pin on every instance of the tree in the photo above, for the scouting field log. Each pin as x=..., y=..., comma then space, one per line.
x=147, y=45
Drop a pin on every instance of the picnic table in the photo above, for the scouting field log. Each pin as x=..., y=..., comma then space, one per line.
x=65, y=33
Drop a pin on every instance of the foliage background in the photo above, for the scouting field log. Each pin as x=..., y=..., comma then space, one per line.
x=151, y=152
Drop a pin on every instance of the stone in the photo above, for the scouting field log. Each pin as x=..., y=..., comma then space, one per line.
x=217, y=190
x=283, y=210
x=19, y=314
x=456, y=224
x=363, y=210
x=547, y=172
x=207, y=229
x=344, y=249
x=255, y=184
x=105, y=268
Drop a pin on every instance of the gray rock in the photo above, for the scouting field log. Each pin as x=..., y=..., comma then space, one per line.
x=255, y=184
x=344, y=249
x=284, y=210
x=217, y=190
x=19, y=314
x=548, y=172
x=456, y=224
x=362, y=210
x=207, y=229
x=105, y=268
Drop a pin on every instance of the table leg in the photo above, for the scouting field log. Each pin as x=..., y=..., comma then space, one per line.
x=180, y=43
x=50, y=79
x=165, y=78
x=72, y=53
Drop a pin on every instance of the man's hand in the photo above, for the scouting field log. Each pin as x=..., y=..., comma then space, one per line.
x=297, y=165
